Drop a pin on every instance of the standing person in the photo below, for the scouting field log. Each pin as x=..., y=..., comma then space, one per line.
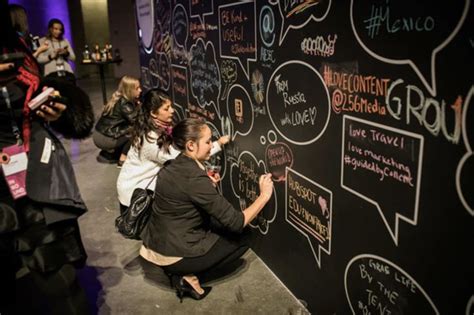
x=40, y=243
x=112, y=131
x=151, y=139
x=181, y=235
x=20, y=24
x=56, y=58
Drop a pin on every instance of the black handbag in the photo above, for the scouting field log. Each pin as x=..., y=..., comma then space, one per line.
x=132, y=221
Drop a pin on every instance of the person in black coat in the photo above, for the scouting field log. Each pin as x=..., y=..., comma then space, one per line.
x=40, y=242
x=192, y=228
x=112, y=132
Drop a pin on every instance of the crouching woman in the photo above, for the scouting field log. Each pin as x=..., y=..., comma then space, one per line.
x=179, y=236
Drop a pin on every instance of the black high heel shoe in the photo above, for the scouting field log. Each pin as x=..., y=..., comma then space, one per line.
x=183, y=288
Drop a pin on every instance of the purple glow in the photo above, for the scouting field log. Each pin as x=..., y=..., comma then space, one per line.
x=41, y=11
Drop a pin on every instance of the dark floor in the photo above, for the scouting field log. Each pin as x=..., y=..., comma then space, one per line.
x=117, y=282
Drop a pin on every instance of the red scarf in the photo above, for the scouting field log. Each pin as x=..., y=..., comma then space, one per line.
x=165, y=126
x=28, y=74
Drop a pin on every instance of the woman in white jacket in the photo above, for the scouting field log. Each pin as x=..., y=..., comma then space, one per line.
x=151, y=146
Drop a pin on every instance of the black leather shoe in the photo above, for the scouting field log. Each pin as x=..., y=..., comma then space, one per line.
x=106, y=157
x=183, y=288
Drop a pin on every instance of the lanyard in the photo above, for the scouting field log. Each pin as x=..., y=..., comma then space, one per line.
x=52, y=43
x=15, y=129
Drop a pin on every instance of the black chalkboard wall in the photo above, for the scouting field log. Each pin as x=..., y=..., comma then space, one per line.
x=362, y=112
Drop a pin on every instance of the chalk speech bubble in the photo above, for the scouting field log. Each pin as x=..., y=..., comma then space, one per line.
x=465, y=169
x=240, y=110
x=278, y=156
x=244, y=178
x=164, y=71
x=428, y=26
x=388, y=161
x=201, y=8
x=237, y=33
x=375, y=285
x=180, y=25
x=179, y=78
x=154, y=77
x=298, y=110
x=205, y=77
x=296, y=14
x=163, y=36
x=229, y=75
x=308, y=208
x=145, y=18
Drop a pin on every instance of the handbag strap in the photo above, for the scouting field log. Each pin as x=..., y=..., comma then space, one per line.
x=151, y=181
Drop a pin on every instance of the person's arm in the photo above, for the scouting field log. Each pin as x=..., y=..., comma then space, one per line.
x=6, y=66
x=128, y=110
x=150, y=151
x=69, y=52
x=47, y=55
x=203, y=194
x=266, y=190
x=41, y=49
x=217, y=145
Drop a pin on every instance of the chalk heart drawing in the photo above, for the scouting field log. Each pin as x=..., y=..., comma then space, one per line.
x=298, y=110
x=145, y=17
x=375, y=285
x=434, y=28
x=361, y=165
x=465, y=169
x=296, y=14
x=205, y=77
x=308, y=208
x=180, y=25
x=244, y=179
x=240, y=110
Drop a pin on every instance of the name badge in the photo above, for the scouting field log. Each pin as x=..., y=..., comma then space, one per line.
x=14, y=163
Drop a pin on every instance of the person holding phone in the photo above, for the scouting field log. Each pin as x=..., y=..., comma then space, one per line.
x=40, y=202
x=192, y=228
x=58, y=54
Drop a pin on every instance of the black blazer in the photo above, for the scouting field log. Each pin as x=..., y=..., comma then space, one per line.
x=185, y=201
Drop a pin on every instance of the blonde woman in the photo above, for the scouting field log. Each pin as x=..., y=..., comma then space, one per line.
x=112, y=129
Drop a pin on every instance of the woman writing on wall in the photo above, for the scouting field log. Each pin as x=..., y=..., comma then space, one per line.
x=56, y=58
x=151, y=138
x=112, y=131
x=181, y=235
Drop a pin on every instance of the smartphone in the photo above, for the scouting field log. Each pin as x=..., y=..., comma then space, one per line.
x=15, y=58
x=40, y=99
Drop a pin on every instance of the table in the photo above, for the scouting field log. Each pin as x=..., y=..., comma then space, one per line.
x=101, y=65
